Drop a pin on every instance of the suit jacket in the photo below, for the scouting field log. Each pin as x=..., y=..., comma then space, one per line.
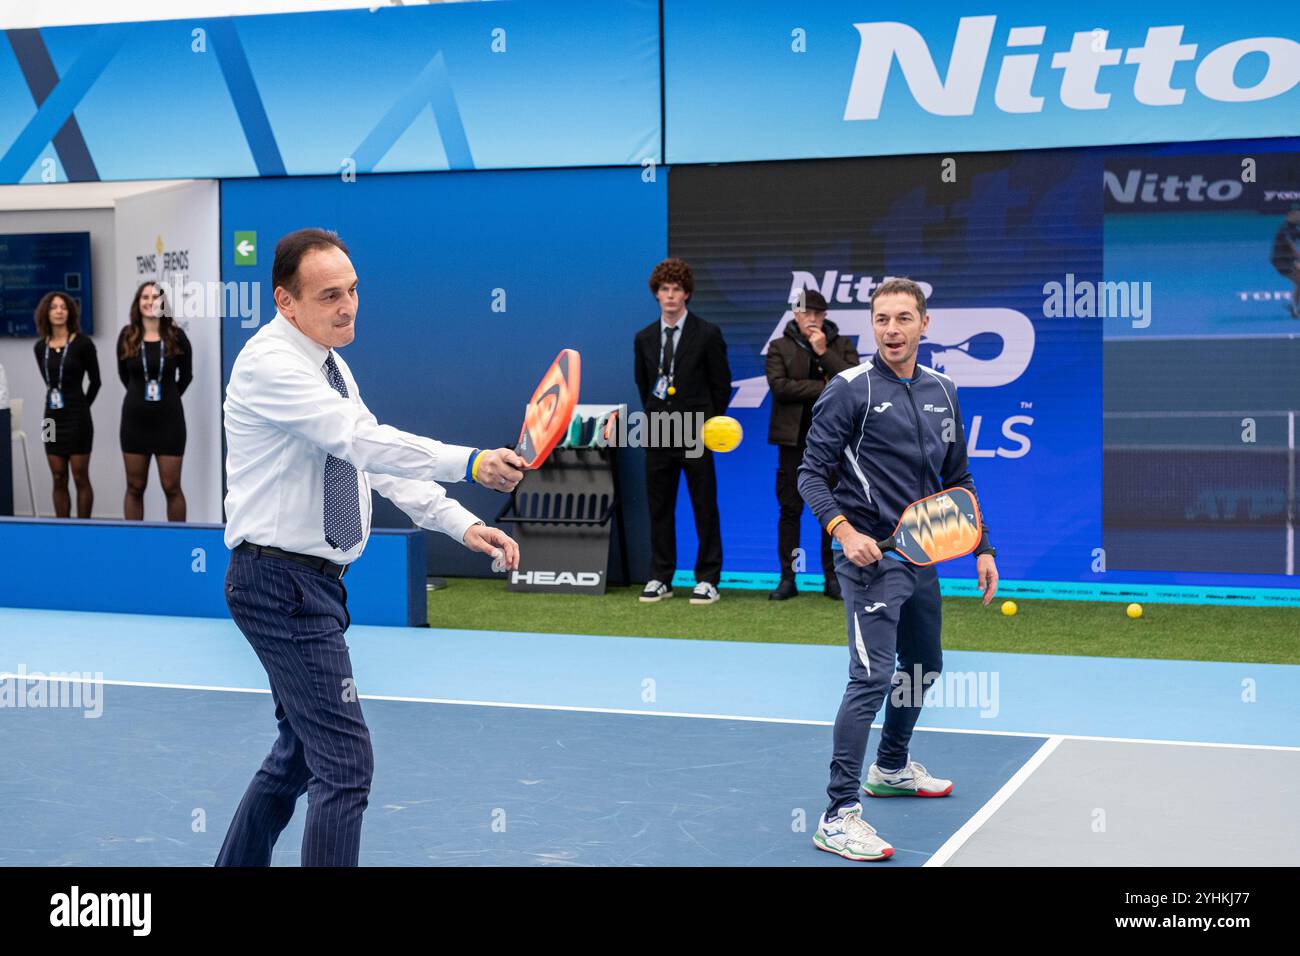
x=702, y=376
x=797, y=377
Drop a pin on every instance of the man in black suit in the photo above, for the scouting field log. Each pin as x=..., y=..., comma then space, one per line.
x=681, y=367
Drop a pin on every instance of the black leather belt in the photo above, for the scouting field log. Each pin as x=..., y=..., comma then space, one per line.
x=323, y=565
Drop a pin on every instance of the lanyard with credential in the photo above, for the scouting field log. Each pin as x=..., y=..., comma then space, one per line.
x=162, y=361
x=67, y=347
x=664, y=386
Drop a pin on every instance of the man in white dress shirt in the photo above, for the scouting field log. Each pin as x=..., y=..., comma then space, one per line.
x=303, y=452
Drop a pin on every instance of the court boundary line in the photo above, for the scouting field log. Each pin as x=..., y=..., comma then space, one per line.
x=627, y=712
x=972, y=826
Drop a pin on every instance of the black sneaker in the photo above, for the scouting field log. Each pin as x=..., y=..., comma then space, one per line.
x=655, y=591
x=832, y=588
x=784, y=591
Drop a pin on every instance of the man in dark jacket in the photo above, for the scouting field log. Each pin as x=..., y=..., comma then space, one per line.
x=799, y=364
x=1286, y=255
x=681, y=369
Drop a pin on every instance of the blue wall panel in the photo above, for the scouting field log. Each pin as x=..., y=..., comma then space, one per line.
x=569, y=250
x=133, y=567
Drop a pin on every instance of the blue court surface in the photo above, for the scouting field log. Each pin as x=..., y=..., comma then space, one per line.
x=539, y=749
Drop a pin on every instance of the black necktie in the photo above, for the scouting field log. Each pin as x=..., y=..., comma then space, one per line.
x=667, y=361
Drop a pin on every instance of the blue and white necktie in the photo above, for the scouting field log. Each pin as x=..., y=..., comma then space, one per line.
x=342, y=503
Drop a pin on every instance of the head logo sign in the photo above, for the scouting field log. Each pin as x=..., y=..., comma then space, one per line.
x=976, y=348
x=1088, y=55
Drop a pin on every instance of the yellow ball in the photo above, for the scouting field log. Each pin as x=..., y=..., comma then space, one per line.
x=1135, y=611
x=1008, y=608
x=722, y=433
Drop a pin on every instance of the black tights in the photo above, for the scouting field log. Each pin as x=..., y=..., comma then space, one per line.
x=79, y=465
x=137, y=479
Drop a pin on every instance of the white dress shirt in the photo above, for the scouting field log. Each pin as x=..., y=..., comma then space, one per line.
x=677, y=340
x=283, y=418
x=664, y=327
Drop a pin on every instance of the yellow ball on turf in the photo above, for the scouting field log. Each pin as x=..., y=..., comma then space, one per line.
x=1008, y=608
x=1135, y=611
x=722, y=433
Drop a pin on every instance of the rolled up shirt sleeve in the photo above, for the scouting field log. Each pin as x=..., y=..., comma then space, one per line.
x=304, y=404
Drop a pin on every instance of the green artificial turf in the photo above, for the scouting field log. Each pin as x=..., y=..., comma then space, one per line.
x=1170, y=631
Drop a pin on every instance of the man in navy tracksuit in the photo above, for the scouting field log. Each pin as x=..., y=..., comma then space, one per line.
x=891, y=431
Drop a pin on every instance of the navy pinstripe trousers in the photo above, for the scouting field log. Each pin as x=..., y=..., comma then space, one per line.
x=294, y=618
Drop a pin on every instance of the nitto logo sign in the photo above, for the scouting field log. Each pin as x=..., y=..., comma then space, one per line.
x=976, y=348
x=1136, y=186
x=1080, y=66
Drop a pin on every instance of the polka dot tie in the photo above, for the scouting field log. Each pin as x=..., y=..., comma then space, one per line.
x=342, y=504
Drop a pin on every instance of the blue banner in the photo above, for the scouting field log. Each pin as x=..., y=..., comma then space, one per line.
x=773, y=79
x=455, y=86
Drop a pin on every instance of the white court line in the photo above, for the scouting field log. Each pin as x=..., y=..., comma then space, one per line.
x=958, y=839
x=4, y=675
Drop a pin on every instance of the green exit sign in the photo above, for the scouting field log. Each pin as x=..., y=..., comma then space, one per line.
x=245, y=248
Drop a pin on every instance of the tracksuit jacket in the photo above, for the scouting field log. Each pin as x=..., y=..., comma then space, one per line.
x=885, y=439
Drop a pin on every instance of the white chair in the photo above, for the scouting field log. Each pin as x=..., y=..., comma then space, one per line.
x=16, y=434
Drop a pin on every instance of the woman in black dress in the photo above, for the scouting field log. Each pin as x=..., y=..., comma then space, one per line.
x=65, y=358
x=154, y=361
x=155, y=364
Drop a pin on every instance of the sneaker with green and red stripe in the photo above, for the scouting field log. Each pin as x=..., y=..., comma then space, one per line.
x=912, y=781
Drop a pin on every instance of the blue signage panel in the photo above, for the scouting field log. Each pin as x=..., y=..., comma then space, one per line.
x=774, y=79
x=518, y=83
x=32, y=265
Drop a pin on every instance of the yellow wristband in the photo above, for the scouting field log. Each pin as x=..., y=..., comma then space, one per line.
x=473, y=474
x=830, y=528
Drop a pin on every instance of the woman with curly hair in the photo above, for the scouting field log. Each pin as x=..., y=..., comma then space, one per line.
x=67, y=359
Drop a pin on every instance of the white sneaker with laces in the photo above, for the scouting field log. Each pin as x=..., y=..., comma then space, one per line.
x=912, y=781
x=704, y=593
x=850, y=836
x=655, y=590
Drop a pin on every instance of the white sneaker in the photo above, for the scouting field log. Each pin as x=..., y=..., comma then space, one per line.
x=850, y=836
x=704, y=593
x=655, y=590
x=912, y=781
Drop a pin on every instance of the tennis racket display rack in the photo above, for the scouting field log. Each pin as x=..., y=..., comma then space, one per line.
x=565, y=516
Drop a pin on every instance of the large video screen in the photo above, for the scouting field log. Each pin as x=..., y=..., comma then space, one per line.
x=32, y=265
x=1202, y=391
x=1120, y=324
